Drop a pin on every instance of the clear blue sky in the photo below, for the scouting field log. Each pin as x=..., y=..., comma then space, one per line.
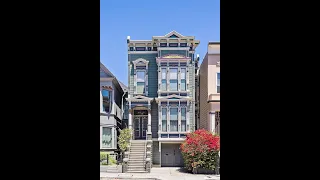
x=142, y=19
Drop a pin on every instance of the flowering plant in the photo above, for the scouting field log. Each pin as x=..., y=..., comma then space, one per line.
x=200, y=149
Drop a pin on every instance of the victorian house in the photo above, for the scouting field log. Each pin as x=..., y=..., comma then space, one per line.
x=112, y=97
x=209, y=91
x=161, y=98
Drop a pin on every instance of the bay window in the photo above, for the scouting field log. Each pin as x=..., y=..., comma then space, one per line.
x=173, y=119
x=164, y=119
x=183, y=85
x=173, y=79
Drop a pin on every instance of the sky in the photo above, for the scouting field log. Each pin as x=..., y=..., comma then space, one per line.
x=142, y=19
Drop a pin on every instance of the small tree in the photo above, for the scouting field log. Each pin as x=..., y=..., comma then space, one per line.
x=200, y=150
x=124, y=139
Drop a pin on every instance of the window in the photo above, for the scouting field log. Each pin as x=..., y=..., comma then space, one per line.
x=183, y=119
x=164, y=119
x=140, y=82
x=106, y=137
x=183, y=85
x=183, y=44
x=218, y=82
x=173, y=119
x=106, y=100
x=173, y=44
x=163, y=44
x=163, y=79
x=140, y=48
x=173, y=79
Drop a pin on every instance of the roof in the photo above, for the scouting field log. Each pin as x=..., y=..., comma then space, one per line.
x=124, y=87
x=117, y=83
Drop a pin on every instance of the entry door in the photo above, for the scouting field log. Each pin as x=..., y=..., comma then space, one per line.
x=140, y=127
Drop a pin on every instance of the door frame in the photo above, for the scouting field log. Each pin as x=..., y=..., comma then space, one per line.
x=139, y=118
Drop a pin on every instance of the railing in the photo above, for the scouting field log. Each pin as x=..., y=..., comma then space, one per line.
x=145, y=150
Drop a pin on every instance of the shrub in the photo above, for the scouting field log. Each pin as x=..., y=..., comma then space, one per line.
x=104, y=155
x=200, y=150
x=124, y=139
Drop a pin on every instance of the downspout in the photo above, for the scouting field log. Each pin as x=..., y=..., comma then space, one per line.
x=124, y=93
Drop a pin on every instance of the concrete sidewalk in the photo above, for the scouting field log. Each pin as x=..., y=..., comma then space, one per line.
x=160, y=174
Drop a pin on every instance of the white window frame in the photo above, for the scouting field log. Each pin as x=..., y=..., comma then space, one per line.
x=166, y=72
x=112, y=136
x=217, y=82
x=170, y=119
x=185, y=78
x=181, y=107
x=162, y=107
x=145, y=83
x=110, y=99
x=173, y=79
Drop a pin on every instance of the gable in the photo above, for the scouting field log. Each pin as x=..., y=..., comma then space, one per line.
x=104, y=74
x=173, y=36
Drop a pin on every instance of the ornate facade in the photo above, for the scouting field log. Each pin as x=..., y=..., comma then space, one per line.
x=161, y=99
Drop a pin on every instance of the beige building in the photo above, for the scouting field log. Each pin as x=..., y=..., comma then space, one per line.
x=209, y=90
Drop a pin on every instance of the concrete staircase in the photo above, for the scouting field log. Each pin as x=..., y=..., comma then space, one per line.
x=137, y=156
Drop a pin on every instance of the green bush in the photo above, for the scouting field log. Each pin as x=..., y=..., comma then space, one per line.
x=103, y=156
x=124, y=139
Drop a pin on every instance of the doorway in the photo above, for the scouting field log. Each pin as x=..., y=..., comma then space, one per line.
x=140, y=127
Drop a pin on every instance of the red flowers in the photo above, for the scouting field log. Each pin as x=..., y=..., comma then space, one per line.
x=200, y=149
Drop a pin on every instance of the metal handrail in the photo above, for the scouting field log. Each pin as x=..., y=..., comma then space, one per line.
x=145, y=149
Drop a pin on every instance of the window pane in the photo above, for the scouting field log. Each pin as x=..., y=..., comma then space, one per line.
x=164, y=126
x=163, y=73
x=218, y=89
x=163, y=85
x=183, y=126
x=183, y=114
x=106, y=100
x=173, y=126
x=164, y=113
x=140, y=76
x=105, y=93
x=183, y=85
x=218, y=79
x=183, y=73
x=173, y=114
x=173, y=85
x=140, y=87
x=106, y=137
x=173, y=73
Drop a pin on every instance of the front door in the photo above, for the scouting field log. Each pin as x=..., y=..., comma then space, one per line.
x=140, y=127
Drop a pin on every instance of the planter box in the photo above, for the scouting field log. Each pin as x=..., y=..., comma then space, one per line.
x=111, y=168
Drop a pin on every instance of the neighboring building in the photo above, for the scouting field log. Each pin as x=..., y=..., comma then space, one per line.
x=209, y=76
x=111, y=114
x=162, y=93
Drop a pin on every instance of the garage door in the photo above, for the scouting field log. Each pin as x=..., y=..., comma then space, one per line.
x=171, y=155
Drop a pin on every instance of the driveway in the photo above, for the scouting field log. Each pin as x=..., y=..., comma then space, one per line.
x=158, y=173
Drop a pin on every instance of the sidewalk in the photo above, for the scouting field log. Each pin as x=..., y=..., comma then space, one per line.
x=159, y=174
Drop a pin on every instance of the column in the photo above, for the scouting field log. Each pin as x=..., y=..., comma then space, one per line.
x=149, y=121
x=213, y=121
x=130, y=119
